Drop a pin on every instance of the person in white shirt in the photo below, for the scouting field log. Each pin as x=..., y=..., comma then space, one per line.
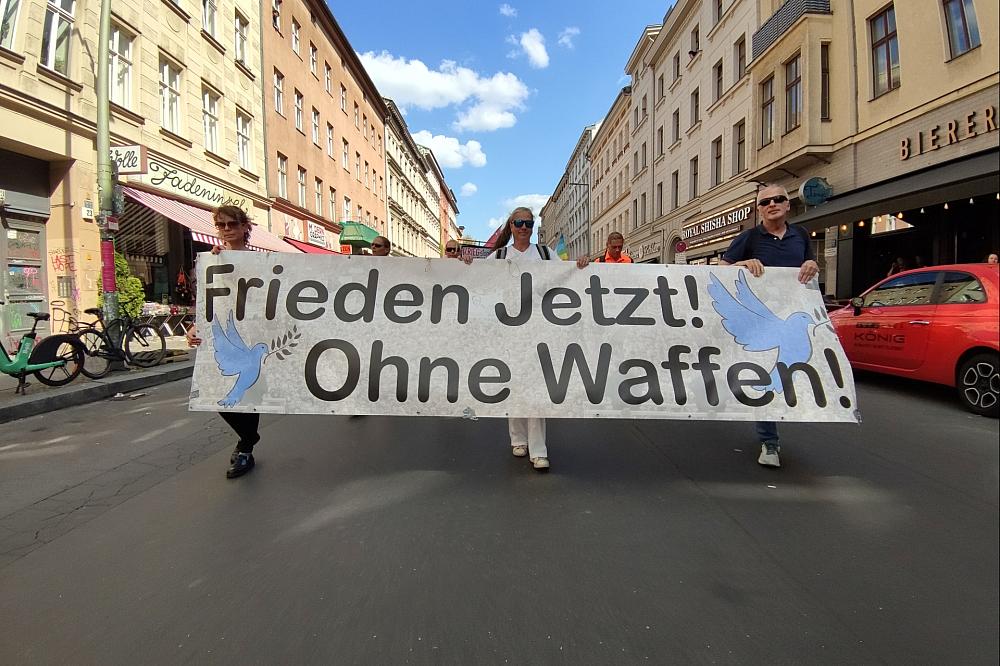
x=527, y=435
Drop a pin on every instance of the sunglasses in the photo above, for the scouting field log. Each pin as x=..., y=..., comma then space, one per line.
x=227, y=225
x=377, y=246
x=780, y=199
x=523, y=223
x=451, y=249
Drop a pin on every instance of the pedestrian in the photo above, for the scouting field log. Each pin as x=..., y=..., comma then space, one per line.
x=613, y=252
x=381, y=247
x=527, y=435
x=897, y=266
x=992, y=258
x=772, y=243
x=233, y=227
x=451, y=250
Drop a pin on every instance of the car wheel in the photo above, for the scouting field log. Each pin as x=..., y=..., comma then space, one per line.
x=979, y=384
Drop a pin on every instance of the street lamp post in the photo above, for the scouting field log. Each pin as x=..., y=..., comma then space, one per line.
x=104, y=169
x=587, y=185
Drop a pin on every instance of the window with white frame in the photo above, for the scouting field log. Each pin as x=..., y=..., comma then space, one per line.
x=357, y=116
x=244, y=128
x=298, y=110
x=276, y=14
x=302, y=187
x=347, y=209
x=279, y=92
x=296, y=35
x=319, y=196
x=210, y=119
x=282, y=176
x=8, y=22
x=56, y=34
x=240, y=28
x=313, y=58
x=357, y=166
x=328, y=74
x=333, y=204
x=329, y=139
x=345, y=159
x=315, y=126
x=170, y=96
x=120, y=48
x=208, y=16
x=343, y=98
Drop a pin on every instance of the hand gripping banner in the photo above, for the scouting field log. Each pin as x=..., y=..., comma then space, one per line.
x=327, y=334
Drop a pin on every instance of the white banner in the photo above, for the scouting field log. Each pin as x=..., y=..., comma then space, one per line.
x=325, y=334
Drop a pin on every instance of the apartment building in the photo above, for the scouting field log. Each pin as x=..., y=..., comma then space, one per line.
x=566, y=215
x=610, y=173
x=325, y=124
x=414, y=202
x=447, y=203
x=185, y=94
x=881, y=121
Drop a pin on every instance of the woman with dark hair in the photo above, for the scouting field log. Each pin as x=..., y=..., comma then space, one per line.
x=233, y=227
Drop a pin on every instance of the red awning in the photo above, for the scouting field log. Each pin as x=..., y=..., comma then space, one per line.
x=308, y=248
x=199, y=221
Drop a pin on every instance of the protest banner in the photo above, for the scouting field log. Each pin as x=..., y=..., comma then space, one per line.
x=325, y=334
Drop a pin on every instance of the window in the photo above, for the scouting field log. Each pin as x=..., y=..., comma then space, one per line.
x=56, y=35
x=333, y=204
x=282, y=176
x=963, y=28
x=659, y=199
x=635, y=162
x=313, y=59
x=357, y=116
x=740, y=56
x=210, y=119
x=357, y=166
x=329, y=139
x=694, y=177
x=644, y=107
x=717, y=11
x=793, y=94
x=279, y=92
x=739, y=147
x=912, y=289
x=660, y=90
x=243, y=134
x=276, y=14
x=121, y=67
x=885, y=51
x=208, y=12
x=717, y=161
x=345, y=160
x=343, y=98
x=642, y=209
x=659, y=141
x=767, y=111
x=347, y=209
x=675, y=179
x=695, y=42
x=675, y=132
x=296, y=36
x=8, y=21
x=824, y=81
x=315, y=126
x=170, y=96
x=718, y=86
x=695, y=111
x=958, y=287
x=302, y=187
x=635, y=117
x=367, y=181
x=319, y=196
x=635, y=211
x=677, y=65
x=240, y=28
x=643, y=154
x=298, y=110
x=328, y=77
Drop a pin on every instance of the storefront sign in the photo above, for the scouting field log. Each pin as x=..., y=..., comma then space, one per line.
x=317, y=234
x=131, y=160
x=646, y=251
x=815, y=191
x=721, y=224
x=972, y=124
x=393, y=336
x=346, y=249
x=183, y=183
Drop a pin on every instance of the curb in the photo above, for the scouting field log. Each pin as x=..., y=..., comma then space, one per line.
x=71, y=396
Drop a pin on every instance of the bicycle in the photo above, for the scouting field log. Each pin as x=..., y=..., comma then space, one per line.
x=120, y=340
x=56, y=361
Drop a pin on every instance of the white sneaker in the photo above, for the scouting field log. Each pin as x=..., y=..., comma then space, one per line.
x=519, y=451
x=769, y=455
x=541, y=464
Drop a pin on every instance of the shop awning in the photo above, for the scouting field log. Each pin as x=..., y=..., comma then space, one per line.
x=356, y=233
x=308, y=248
x=199, y=221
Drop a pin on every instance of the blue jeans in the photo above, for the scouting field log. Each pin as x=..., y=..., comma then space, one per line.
x=767, y=431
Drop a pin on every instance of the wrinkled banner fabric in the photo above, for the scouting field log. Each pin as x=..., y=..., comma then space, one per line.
x=326, y=334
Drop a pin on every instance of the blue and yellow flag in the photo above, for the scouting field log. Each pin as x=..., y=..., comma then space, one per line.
x=561, y=248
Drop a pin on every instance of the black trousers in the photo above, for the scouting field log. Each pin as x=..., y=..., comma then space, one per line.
x=245, y=425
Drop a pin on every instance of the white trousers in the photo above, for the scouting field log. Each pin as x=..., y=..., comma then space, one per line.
x=530, y=433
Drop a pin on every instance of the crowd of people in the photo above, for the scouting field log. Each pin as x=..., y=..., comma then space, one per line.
x=771, y=243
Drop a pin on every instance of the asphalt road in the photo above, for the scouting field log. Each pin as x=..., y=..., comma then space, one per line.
x=422, y=541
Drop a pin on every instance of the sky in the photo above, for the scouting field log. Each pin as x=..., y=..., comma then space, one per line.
x=499, y=91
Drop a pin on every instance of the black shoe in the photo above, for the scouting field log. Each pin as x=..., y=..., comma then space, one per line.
x=241, y=463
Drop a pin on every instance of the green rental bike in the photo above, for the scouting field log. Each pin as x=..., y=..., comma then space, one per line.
x=56, y=361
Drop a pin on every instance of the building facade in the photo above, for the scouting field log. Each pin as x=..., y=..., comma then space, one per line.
x=184, y=90
x=566, y=215
x=610, y=173
x=325, y=128
x=447, y=203
x=882, y=124
x=414, y=225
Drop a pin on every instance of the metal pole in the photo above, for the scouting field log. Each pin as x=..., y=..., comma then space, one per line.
x=104, y=173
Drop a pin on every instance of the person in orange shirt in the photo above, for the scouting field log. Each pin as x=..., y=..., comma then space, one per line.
x=614, y=254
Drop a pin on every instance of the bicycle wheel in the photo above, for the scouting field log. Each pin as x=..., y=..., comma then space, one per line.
x=144, y=345
x=61, y=375
x=97, y=364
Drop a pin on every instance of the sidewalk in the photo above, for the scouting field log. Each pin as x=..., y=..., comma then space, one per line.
x=42, y=399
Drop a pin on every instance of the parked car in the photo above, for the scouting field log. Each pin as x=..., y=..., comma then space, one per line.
x=937, y=324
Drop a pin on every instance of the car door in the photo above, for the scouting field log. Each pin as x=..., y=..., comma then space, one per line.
x=893, y=328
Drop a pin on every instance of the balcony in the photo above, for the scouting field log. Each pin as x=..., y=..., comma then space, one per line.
x=783, y=19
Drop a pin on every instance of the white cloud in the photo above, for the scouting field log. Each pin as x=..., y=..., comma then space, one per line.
x=567, y=35
x=495, y=222
x=450, y=152
x=533, y=45
x=469, y=189
x=508, y=11
x=489, y=102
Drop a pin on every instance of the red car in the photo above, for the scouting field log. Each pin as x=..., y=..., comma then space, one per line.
x=938, y=324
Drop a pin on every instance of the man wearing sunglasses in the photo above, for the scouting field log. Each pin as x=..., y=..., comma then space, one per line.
x=381, y=247
x=772, y=243
x=451, y=250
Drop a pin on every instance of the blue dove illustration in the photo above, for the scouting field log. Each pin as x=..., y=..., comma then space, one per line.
x=234, y=358
x=757, y=329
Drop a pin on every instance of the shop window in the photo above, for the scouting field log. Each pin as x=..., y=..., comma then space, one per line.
x=884, y=224
x=912, y=289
